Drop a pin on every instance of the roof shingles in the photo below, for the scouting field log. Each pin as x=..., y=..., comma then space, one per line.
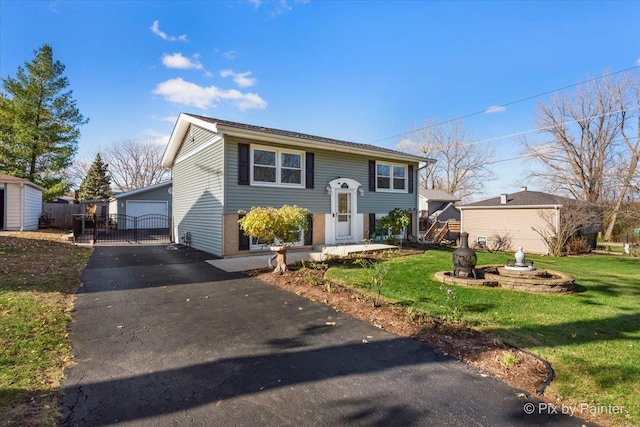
x=525, y=198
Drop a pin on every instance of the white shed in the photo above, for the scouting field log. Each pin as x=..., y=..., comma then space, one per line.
x=20, y=203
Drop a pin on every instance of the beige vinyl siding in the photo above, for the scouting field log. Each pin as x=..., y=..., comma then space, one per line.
x=198, y=192
x=518, y=223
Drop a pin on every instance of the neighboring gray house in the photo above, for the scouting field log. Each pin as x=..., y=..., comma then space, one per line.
x=438, y=205
x=151, y=200
x=20, y=203
x=220, y=167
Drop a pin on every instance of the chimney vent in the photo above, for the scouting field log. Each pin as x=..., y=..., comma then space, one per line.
x=523, y=188
x=503, y=199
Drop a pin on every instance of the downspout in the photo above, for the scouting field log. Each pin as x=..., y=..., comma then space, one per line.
x=22, y=206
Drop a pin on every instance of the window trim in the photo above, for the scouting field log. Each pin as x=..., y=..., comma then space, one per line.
x=391, y=166
x=278, y=151
x=253, y=246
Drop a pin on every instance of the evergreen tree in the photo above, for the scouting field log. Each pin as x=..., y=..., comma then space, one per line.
x=97, y=183
x=39, y=123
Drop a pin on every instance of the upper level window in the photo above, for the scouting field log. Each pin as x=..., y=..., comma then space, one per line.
x=390, y=177
x=274, y=166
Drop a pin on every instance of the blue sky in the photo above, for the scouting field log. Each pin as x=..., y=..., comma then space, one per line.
x=362, y=71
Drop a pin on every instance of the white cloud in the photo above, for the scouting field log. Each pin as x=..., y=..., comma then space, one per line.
x=177, y=60
x=278, y=7
x=169, y=119
x=241, y=79
x=230, y=54
x=638, y=61
x=495, y=109
x=182, y=92
x=155, y=29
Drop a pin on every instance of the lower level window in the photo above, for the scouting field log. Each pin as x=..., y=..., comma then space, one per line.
x=481, y=241
x=259, y=245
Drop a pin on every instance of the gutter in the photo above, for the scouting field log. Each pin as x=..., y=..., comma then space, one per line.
x=306, y=143
x=512, y=207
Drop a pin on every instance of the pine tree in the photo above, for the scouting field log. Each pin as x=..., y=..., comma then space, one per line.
x=39, y=123
x=97, y=183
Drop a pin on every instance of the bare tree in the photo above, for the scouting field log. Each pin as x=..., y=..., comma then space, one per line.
x=559, y=227
x=460, y=167
x=627, y=165
x=135, y=163
x=585, y=128
x=77, y=171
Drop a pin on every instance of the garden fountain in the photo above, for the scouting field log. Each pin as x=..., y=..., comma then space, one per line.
x=517, y=274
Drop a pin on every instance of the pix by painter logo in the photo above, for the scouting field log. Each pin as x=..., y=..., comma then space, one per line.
x=530, y=408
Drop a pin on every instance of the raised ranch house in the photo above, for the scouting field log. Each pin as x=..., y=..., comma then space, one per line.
x=518, y=215
x=20, y=203
x=221, y=167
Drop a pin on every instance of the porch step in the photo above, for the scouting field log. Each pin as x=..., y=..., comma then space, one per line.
x=344, y=250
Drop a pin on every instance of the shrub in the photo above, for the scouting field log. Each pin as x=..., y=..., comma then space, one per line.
x=281, y=225
x=577, y=245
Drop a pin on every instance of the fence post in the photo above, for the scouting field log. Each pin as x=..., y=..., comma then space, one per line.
x=95, y=228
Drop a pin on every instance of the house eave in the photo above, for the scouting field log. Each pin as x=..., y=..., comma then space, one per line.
x=184, y=120
x=143, y=189
x=180, y=129
x=306, y=143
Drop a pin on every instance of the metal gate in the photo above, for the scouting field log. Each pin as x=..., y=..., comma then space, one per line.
x=152, y=228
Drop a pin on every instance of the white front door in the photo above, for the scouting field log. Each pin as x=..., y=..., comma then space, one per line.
x=344, y=215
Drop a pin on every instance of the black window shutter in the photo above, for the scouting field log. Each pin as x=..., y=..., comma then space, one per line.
x=410, y=178
x=309, y=170
x=372, y=224
x=372, y=175
x=243, y=239
x=243, y=164
x=308, y=235
x=410, y=226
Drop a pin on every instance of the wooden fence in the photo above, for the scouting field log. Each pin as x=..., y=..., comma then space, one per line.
x=61, y=214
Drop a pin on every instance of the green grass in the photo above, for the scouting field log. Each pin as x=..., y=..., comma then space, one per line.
x=591, y=338
x=38, y=276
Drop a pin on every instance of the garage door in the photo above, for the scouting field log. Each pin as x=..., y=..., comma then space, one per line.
x=150, y=214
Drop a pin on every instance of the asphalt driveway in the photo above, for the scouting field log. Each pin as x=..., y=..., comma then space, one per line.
x=162, y=338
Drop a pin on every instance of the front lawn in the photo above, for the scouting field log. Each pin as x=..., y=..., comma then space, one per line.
x=591, y=338
x=38, y=275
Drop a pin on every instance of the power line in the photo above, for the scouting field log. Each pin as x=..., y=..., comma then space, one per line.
x=532, y=155
x=549, y=127
x=506, y=105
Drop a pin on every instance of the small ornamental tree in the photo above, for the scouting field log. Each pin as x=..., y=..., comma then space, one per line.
x=281, y=226
x=395, y=221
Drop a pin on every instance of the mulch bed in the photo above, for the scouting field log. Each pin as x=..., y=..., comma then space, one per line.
x=485, y=353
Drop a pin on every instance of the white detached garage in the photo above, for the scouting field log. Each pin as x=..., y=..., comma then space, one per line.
x=20, y=203
x=149, y=207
